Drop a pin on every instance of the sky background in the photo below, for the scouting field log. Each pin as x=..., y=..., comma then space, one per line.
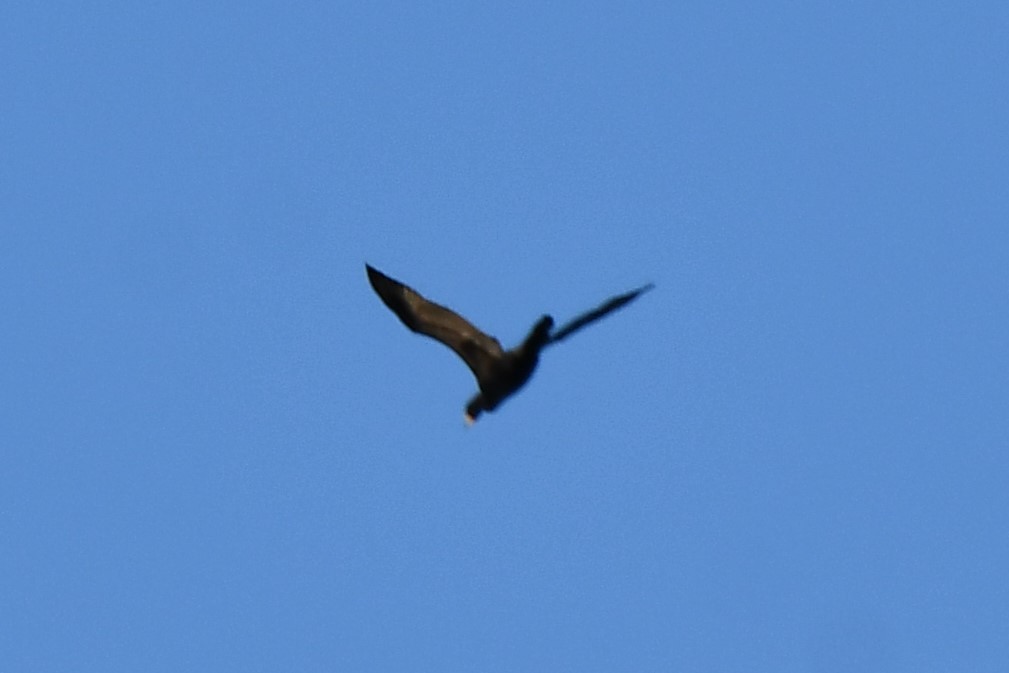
x=220, y=452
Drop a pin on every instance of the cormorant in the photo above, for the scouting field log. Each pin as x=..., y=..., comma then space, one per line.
x=499, y=373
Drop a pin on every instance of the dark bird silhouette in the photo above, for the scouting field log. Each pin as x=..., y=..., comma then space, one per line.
x=499, y=373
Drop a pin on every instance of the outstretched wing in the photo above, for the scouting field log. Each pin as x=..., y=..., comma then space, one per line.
x=609, y=305
x=478, y=350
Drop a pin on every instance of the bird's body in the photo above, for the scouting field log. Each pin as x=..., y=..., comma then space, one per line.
x=510, y=372
x=499, y=373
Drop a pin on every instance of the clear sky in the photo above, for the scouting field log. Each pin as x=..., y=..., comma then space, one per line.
x=220, y=452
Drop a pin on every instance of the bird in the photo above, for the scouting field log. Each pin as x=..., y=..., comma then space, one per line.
x=499, y=373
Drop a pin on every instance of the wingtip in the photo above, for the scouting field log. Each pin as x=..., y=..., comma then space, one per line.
x=374, y=275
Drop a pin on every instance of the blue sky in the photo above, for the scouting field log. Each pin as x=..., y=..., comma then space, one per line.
x=220, y=452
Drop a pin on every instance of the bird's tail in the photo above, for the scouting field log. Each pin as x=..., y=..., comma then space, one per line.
x=540, y=333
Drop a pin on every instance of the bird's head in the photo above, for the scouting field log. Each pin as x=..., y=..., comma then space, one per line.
x=473, y=410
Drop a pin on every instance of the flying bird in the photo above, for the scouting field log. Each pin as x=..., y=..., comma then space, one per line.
x=499, y=373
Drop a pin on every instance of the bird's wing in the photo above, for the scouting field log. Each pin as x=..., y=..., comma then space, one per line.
x=609, y=305
x=478, y=350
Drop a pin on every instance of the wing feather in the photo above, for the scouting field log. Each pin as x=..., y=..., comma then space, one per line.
x=588, y=317
x=478, y=350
